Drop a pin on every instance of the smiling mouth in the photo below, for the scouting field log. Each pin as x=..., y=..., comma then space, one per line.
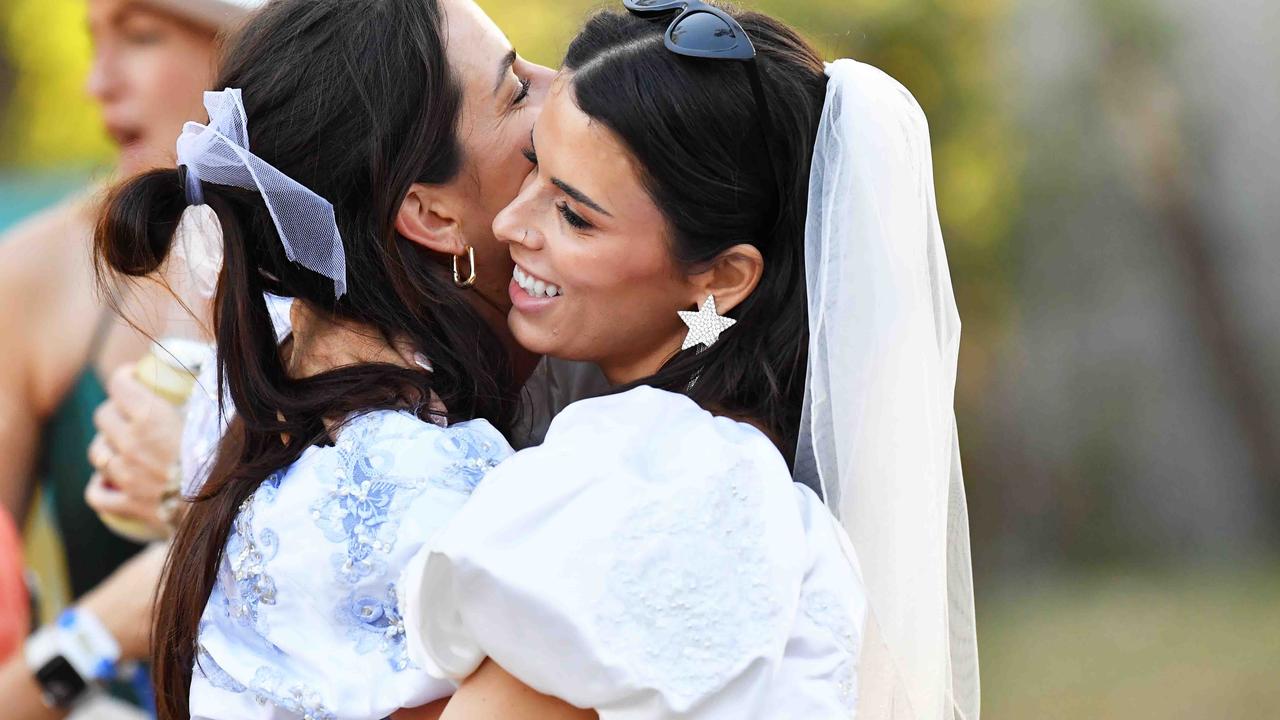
x=533, y=285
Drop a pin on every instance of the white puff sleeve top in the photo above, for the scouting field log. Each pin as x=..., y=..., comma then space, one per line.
x=650, y=560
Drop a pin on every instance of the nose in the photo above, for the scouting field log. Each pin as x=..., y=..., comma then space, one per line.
x=103, y=81
x=513, y=225
x=541, y=77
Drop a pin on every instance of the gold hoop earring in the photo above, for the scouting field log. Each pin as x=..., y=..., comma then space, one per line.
x=471, y=262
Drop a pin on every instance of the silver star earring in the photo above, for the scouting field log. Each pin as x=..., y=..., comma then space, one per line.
x=705, y=325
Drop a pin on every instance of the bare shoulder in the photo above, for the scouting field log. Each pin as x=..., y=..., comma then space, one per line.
x=46, y=283
x=39, y=251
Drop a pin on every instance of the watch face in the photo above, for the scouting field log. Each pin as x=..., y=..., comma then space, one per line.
x=60, y=682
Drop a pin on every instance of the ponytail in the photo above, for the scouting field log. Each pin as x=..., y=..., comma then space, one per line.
x=135, y=232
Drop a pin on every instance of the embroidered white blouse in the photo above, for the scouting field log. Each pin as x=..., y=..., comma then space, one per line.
x=305, y=619
x=649, y=560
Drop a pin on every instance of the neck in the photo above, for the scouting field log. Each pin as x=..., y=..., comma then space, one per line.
x=629, y=369
x=322, y=342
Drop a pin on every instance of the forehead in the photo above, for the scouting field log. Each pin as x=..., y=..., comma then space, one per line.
x=476, y=45
x=564, y=122
x=588, y=155
x=109, y=12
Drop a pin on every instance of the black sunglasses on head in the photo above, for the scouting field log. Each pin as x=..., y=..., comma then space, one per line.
x=702, y=31
x=699, y=30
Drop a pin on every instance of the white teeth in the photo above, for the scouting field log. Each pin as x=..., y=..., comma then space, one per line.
x=534, y=286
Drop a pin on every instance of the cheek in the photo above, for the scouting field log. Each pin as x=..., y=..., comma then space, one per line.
x=168, y=82
x=622, y=297
x=504, y=167
x=509, y=175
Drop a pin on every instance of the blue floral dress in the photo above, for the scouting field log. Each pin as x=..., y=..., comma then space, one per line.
x=305, y=619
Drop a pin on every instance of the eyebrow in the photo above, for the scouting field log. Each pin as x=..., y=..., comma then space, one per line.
x=507, y=61
x=578, y=195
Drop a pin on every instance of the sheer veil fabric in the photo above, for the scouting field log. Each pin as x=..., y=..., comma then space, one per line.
x=878, y=434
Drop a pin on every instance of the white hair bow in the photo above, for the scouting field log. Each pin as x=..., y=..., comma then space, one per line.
x=219, y=153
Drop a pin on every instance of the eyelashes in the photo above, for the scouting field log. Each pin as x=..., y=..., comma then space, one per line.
x=571, y=217
x=574, y=220
x=525, y=84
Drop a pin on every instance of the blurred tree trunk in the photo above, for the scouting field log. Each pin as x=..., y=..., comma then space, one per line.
x=1145, y=110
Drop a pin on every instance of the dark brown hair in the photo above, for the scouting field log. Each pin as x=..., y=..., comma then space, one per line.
x=353, y=99
x=695, y=128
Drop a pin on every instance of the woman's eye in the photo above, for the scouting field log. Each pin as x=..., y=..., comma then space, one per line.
x=143, y=32
x=145, y=38
x=571, y=217
x=525, y=84
x=530, y=155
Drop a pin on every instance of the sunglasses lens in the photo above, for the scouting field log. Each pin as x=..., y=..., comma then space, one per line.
x=706, y=32
x=654, y=5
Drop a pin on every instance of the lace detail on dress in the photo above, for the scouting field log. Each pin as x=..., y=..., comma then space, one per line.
x=375, y=624
x=473, y=453
x=689, y=588
x=830, y=613
x=363, y=513
x=363, y=510
x=269, y=687
x=209, y=669
x=248, y=585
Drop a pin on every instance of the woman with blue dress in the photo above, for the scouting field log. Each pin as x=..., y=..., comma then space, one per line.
x=353, y=162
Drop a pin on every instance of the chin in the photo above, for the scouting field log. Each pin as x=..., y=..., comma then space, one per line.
x=534, y=339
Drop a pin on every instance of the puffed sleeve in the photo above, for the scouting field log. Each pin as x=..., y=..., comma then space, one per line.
x=640, y=562
x=305, y=619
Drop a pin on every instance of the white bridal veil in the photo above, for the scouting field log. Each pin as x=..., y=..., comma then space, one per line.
x=879, y=434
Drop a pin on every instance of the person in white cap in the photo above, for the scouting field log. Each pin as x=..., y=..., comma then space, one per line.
x=151, y=61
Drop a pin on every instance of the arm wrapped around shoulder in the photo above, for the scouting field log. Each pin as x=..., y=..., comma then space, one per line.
x=647, y=562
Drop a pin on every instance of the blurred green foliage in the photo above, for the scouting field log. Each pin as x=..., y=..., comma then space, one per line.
x=1183, y=645
x=49, y=119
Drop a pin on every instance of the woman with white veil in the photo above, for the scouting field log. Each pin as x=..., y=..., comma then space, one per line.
x=879, y=433
x=650, y=560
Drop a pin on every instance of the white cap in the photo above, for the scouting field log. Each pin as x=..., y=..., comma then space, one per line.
x=219, y=14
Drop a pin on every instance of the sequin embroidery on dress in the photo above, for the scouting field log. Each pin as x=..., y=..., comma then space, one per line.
x=473, y=455
x=375, y=623
x=693, y=616
x=270, y=687
x=362, y=511
x=245, y=582
x=830, y=612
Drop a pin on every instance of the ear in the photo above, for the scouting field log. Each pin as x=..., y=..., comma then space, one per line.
x=427, y=218
x=732, y=276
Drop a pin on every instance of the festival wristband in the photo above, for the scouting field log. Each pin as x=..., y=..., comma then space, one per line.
x=70, y=655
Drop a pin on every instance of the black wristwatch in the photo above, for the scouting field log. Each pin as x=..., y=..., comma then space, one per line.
x=60, y=683
x=68, y=657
